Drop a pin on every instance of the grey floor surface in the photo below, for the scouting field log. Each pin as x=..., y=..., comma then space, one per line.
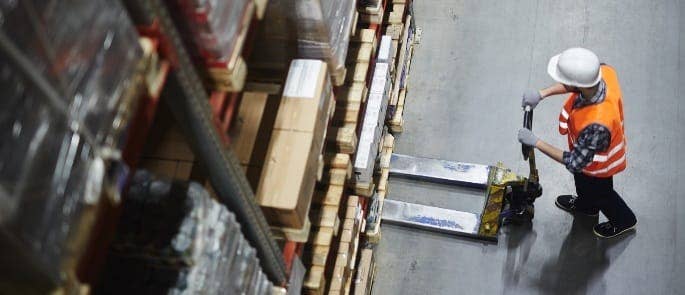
x=474, y=61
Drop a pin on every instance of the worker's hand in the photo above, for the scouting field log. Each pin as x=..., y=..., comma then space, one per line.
x=527, y=137
x=531, y=98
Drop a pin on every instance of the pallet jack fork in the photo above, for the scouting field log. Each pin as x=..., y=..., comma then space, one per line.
x=509, y=197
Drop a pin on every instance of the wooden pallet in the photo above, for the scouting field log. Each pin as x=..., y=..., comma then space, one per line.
x=401, y=61
x=372, y=15
x=366, y=36
x=345, y=260
x=373, y=231
x=168, y=154
x=339, y=76
x=396, y=14
x=396, y=124
x=229, y=74
x=228, y=78
x=365, y=273
x=343, y=138
x=251, y=132
x=331, y=251
x=364, y=189
x=324, y=213
x=317, y=255
x=359, y=57
x=300, y=235
x=246, y=127
x=399, y=92
x=380, y=179
x=352, y=95
x=336, y=236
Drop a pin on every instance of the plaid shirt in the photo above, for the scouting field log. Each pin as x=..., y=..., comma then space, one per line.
x=594, y=138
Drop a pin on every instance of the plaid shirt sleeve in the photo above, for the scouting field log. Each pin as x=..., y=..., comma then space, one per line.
x=594, y=138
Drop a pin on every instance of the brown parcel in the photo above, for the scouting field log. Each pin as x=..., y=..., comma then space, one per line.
x=289, y=174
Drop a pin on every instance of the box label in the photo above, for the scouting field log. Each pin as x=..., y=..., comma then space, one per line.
x=302, y=78
x=384, y=51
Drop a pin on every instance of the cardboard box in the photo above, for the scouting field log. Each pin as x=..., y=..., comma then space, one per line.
x=288, y=178
x=289, y=173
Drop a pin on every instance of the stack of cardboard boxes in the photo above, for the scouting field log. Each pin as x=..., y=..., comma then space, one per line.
x=290, y=168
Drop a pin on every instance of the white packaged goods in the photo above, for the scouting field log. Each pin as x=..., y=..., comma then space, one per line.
x=302, y=76
x=372, y=126
x=385, y=50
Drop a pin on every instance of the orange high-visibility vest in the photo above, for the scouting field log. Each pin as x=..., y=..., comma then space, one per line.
x=608, y=113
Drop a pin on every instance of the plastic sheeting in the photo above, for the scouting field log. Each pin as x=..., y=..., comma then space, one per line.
x=215, y=25
x=84, y=53
x=87, y=49
x=174, y=238
x=311, y=29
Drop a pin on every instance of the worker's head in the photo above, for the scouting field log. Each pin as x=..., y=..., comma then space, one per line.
x=576, y=68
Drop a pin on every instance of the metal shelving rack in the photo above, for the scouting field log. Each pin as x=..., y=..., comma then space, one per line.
x=205, y=119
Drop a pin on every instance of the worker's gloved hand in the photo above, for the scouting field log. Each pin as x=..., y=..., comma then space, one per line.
x=527, y=137
x=531, y=98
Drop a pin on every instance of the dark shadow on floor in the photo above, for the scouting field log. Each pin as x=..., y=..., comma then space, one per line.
x=519, y=240
x=581, y=262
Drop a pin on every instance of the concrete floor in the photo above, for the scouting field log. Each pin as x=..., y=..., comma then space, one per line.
x=474, y=61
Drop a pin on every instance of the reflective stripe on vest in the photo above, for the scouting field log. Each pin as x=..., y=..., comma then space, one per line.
x=603, y=157
x=609, y=114
x=564, y=114
x=609, y=168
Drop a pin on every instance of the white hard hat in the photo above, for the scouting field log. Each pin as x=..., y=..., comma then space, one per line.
x=575, y=67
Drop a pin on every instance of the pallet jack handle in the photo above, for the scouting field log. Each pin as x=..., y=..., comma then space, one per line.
x=528, y=151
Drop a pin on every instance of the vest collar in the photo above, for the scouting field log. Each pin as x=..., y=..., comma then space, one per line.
x=597, y=98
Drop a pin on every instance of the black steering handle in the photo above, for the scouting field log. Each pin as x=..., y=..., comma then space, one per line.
x=528, y=124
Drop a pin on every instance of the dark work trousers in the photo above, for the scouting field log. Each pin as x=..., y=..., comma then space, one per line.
x=598, y=193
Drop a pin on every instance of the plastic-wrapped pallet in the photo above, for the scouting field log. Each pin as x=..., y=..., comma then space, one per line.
x=88, y=51
x=370, y=3
x=67, y=83
x=338, y=16
x=215, y=25
x=179, y=241
x=311, y=29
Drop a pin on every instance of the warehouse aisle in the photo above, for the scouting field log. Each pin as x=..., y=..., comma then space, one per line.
x=474, y=61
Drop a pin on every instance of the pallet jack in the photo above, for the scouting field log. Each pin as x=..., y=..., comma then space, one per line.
x=509, y=198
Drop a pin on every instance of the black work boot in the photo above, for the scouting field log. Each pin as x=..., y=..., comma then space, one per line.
x=568, y=204
x=606, y=230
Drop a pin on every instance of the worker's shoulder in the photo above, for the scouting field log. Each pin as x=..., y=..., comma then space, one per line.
x=608, y=70
x=607, y=66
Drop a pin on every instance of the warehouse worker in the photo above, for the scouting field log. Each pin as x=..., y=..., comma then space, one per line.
x=592, y=119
